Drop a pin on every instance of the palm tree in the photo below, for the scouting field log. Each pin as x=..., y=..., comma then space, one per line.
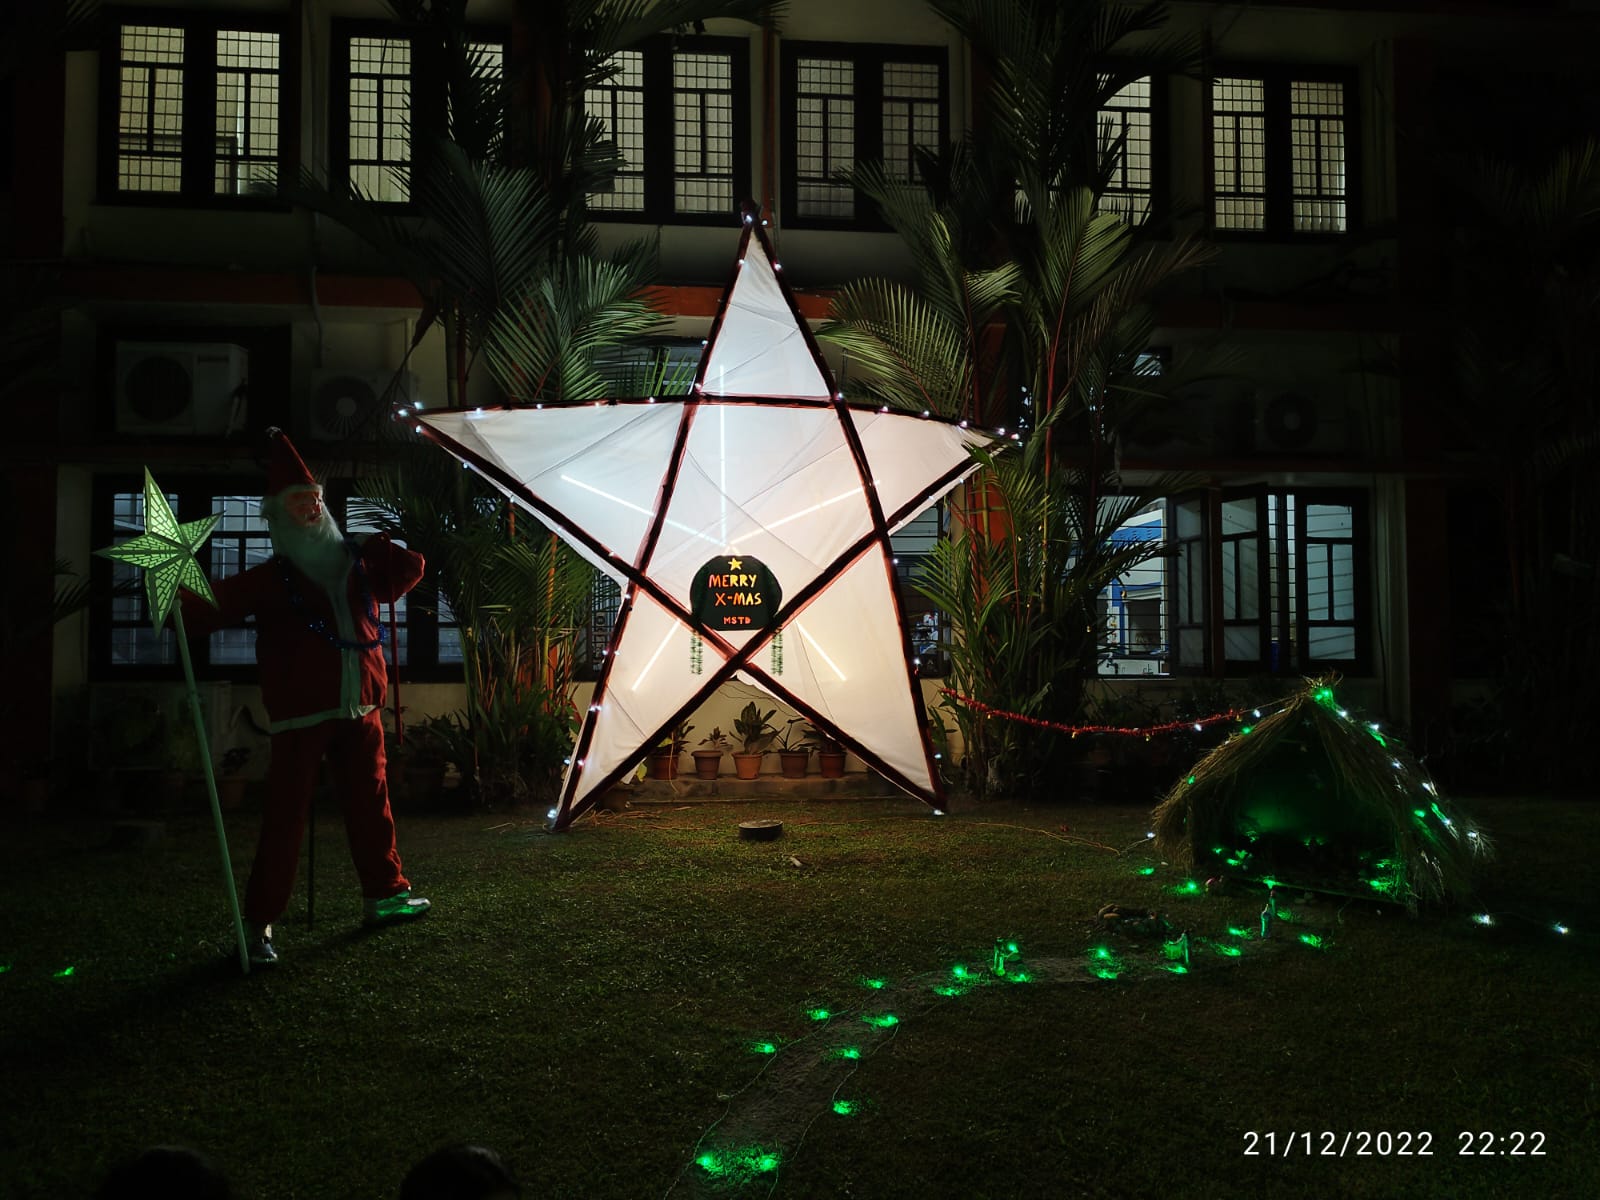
x=1024, y=287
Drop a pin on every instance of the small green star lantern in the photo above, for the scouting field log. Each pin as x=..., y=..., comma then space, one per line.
x=166, y=552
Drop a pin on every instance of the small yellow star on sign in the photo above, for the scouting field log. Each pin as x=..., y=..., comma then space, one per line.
x=166, y=551
x=735, y=564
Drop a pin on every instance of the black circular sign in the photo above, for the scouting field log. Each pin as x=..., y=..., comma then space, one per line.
x=735, y=594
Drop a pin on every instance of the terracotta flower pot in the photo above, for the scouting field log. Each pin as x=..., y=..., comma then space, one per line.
x=831, y=763
x=707, y=763
x=747, y=766
x=663, y=766
x=794, y=763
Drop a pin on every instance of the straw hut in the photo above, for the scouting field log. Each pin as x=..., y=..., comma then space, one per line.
x=1311, y=796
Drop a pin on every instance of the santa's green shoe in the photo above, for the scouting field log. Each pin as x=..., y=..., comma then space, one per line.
x=402, y=906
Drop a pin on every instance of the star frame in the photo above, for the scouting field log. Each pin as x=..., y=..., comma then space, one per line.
x=166, y=550
x=763, y=458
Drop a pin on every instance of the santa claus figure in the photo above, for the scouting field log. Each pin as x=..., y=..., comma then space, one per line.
x=319, y=646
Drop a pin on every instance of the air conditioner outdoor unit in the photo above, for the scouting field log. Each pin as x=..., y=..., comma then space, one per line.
x=192, y=389
x=1300, y=422
x=355, y=405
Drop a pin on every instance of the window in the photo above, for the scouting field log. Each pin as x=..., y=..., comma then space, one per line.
x=1280, y=155
x=199, y=110
x=927, y=627
x=124, y=647
x=385, y=85
x=1127, y=124
x=1285, y=572
x=849, y=104
x=677, y=112
x=1132, y=606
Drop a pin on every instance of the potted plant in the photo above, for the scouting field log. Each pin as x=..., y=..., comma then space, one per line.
x=708, y=762
x=830, y=754
x=664, y=758
x=794, y=750
x=230, y=785
x=756, y=730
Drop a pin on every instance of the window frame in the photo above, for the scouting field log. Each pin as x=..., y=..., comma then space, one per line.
x=1273, y=602
x=1278, y=218
x=198, y=140
x=1159, y=194
x=428, y=93
x=660, y=131
x=869, y=59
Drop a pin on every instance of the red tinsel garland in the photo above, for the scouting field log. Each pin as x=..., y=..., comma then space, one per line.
x=1146, y=731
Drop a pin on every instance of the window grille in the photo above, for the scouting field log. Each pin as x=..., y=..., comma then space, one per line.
x=1317, y=140
x=379, y=118
x=133, y=641
x=1128, y=118
x=619, y=105
x=247, y=113
x=702, y=168
x=910, y=115
x=150, y=109
x=825, y=135
x=1239, y=153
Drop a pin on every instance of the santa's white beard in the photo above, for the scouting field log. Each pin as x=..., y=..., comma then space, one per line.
x=318, y=549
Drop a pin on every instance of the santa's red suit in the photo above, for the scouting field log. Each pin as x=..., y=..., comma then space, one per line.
x=323, y=681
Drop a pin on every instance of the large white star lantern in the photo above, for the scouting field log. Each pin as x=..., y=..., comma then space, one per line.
x=748, y=526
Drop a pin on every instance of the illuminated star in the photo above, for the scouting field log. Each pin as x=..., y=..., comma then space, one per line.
x=764, y=460
x=166, y=551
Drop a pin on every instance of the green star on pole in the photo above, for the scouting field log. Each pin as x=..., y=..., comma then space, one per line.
x=166, y=550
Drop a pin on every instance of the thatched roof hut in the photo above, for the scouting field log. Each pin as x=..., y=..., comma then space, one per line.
x=1310, y=795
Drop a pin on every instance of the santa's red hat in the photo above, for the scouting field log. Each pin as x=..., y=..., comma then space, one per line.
x=285, y=467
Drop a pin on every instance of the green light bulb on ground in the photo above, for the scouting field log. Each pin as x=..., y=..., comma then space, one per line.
x=763, y=1048
x=1177, y=968
x=710, y=1163
x=1024, y=977
x=66, y=973
x=766, y=1162
x=1105, y=973
x=844, y=1108
x=818, y=1014
x=959, y=971
x=848, y=1052
x=875, y=984
x=1229, y=951
x=881, y=1020
x=1312, y=940
x=947, y=990
x=1147, y=870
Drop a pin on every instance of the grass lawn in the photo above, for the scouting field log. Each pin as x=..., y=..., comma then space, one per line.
x=588, y=1005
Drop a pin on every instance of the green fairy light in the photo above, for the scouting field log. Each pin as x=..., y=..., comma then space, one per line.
x=1247, y=729
x=66, y=973
x=1377, y=737
x=1228, y=951
x=1024, y=977
x=844, y=1108
x=960, y=972
x=766, y=1162
x=848, y=1052
x=1312, y=940
x=1560, y=928
x=1011, y=948
x=711, y=1164
x=763, y=1048
x=4, y=967
x=818, y=1014
x=875, y=984
x=1323, y=695
x=881, y=1020
x=1147, y=870
x=1105, y=973
x=1188, y=887
x=1190, y=779
x=1176, y=968
x=1238, y=932
x=1103, y=953
x=1483, y=918
x=949, y=990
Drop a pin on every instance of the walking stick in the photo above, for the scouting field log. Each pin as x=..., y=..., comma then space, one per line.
x=165, y=552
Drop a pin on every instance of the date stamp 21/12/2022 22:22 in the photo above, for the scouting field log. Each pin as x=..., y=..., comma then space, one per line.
x=1422, y=1143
